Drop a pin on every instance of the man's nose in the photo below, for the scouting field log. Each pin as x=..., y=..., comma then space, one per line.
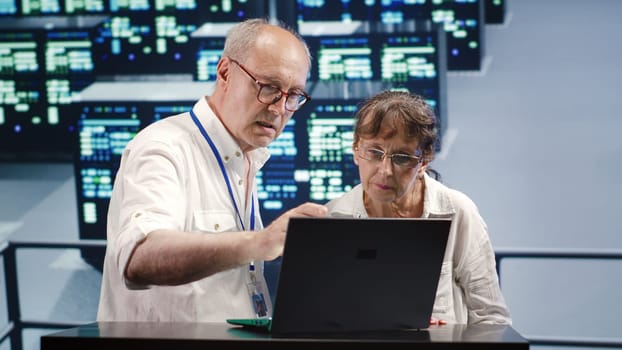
x=278, y=108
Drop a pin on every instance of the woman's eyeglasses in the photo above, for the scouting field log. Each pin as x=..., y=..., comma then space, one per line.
x=401, y=160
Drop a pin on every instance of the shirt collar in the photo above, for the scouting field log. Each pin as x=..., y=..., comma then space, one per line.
x=228, y=148
x=436, y=200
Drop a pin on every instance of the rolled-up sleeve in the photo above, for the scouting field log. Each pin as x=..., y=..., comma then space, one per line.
x=150, y=199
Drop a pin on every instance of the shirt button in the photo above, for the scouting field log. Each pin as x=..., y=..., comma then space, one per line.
x=216, y=227
x=238, y=154
x=226, y=158
x=240, y=182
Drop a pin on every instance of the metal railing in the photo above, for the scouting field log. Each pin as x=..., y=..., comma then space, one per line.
x=16, y=323
x=577, y=254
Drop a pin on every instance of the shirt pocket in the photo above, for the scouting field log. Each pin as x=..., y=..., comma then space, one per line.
x=213, y=221
x=444, y=298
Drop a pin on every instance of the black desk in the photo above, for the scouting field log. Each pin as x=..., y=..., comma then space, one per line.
x=221, y=336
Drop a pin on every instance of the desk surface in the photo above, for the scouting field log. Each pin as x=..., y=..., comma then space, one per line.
x=115, y=335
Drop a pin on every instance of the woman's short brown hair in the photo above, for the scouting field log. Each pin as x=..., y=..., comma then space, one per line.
x=407, y=113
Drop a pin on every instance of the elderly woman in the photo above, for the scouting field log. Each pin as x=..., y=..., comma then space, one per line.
x=394, y=142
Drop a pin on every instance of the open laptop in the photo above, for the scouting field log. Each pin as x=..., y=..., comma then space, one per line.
x=341, y=275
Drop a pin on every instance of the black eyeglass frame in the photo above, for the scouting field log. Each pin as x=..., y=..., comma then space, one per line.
x=303, y=97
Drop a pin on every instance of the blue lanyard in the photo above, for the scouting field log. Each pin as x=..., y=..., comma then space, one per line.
x=224, y=174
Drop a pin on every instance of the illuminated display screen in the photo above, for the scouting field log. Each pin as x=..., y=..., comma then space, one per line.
x=22, y=108
x=202, y=11
x=462, y=21
x=8, y=7
x=207, y=43
x=389, y=57
x=103, y=131
x=129, y=5
x=414, y=57
x=415, y=62
x=20, y=71
x=330, y=134
x=145, y=38
x=41, y=69
x=335, y=10
x=104, y=128
x=173, y=37
x=69, y=68
x=208, y=53
x=164, y=5
x=230, y=10
x=342, y=58
x=207, y=64
x=45, y=61
x=135, y=45
x=276, y=183
x=398, y=11
x=77, y=7
x=68, y=53
x=40, y=7
x=18, y=54
x=21, y=92
x=124, y=45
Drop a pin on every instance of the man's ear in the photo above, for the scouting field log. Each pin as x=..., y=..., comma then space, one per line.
x=222, y=70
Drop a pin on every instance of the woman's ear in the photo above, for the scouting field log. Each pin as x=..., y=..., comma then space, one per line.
x=354, y=156
x=422, y=169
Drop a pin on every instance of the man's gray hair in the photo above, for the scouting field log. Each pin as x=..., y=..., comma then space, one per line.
x=241, y=37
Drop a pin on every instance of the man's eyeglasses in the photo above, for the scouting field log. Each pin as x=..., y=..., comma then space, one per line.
x=270, y=94
x=401, y=160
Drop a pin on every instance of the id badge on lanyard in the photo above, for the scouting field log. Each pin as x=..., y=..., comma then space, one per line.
x=256, y=289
